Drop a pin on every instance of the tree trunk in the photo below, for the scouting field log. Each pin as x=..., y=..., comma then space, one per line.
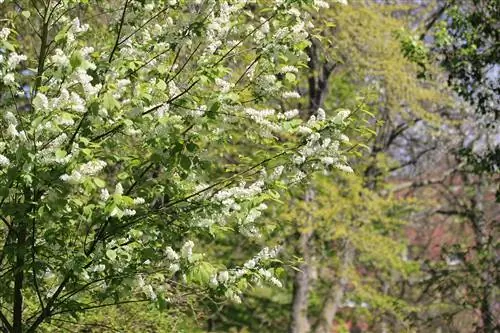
x=334, y=299
x=482, y=239
x=17, y=315
x=299, y=322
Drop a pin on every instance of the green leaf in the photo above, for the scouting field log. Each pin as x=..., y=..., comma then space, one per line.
x=60, y=153
x=201, y=273
x=161, y=85
x=75, y=60
x=191, y=147
x=109, y=102
x=99, y=182
x=111, y=254
x=185, y=162
x=8, y=46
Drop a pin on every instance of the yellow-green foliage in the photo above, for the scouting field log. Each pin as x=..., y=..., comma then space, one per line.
x=138, y=317
x=362, y=39
x=347, y=211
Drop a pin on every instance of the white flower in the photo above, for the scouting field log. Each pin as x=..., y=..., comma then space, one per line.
x=321, y=114
x=4, y=33
x=15, y=59
x=277, y=172
x=74, y=178
x=65, y=121
x=259, y=115
x=344, y=168
x=148, y=290
x=265, y=25
x=223, y=85
x=290, y=94
x=327, y=160
x=81, y=76
x=60, y=59
x=187, y=249
x=129, y=212
x=77, y=103
x=298, y=177
x=341, y=116
x=86, y=51
x=9, y=79
x=289, y=69
x=98, y=268
x=40, y=102
x=291, y=114
x=304, y=130
x=213, y=281
x=139, y=201
x=223, y=277
x=140, y=281
x=236, y=299
x=12, y=131
x=294, y=12
x=250, y=264
x=171, y=254
x=4, y=161
x=173, y=90
x=122, y=83
x=104, y=194
x=321, y=4
x=119, y=189
x=77, y=27
x=276, y=282
x=173, y=268
x=92, y=168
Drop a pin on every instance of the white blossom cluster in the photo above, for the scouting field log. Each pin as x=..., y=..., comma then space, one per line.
x=146, y=100
x=253, y=268
x=9, y=61
x=327, y=149
x=91, y=168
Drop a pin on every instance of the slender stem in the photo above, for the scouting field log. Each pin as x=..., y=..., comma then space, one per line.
x=120, y=27
x=19, y=280
x=143, y=25
x=43, y=52
x=6, y=323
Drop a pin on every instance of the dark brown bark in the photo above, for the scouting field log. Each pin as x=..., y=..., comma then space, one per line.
x=17, y=313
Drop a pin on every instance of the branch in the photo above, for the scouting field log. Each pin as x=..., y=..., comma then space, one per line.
x=142, y=26
x=185, y=63
x=35, y=281
x=46, y=312
x=6, y=322
x=9, y=226
x=433, y=19
x=42, y=53
x=117, y=41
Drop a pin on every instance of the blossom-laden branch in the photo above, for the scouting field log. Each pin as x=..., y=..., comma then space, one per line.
x=129, y=133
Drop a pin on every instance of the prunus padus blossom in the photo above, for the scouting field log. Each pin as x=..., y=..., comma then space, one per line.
x=130, y=128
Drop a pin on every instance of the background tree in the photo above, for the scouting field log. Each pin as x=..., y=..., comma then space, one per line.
x=356, y=245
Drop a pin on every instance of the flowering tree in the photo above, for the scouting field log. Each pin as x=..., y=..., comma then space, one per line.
x=120, y=147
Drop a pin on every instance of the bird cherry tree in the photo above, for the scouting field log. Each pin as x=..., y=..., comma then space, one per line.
x=130, y=130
